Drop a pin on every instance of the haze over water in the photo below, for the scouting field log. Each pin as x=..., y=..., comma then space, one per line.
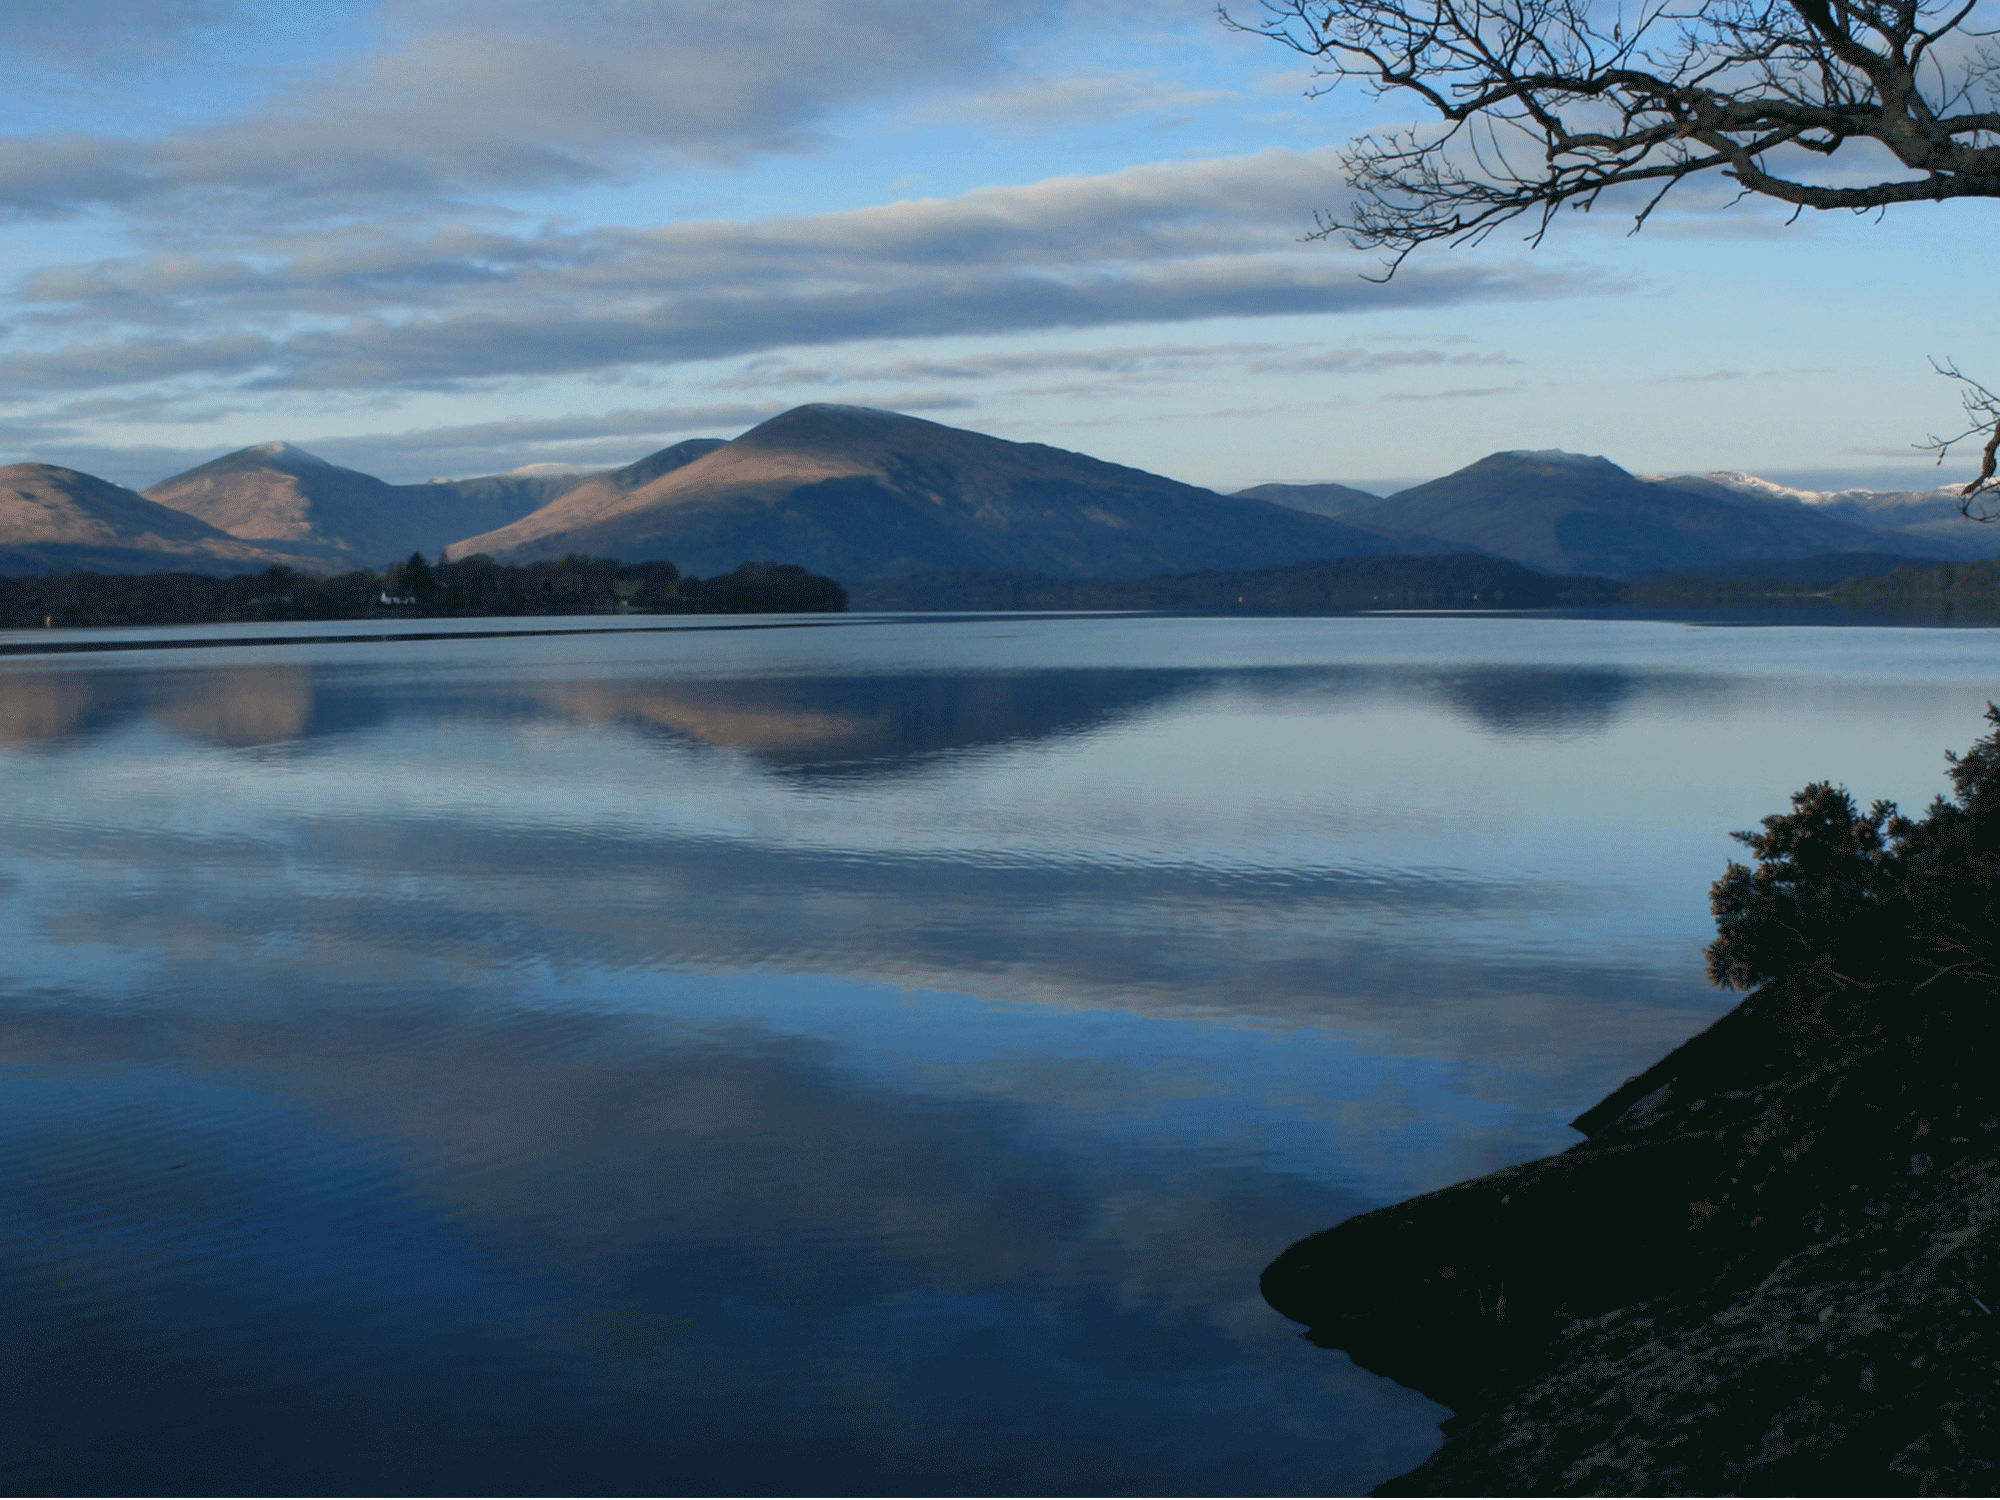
x=851, y=1056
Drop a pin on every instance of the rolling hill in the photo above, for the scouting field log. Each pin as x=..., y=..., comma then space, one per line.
x=857, y=493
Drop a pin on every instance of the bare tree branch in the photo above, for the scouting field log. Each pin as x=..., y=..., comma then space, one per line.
x=1542, y=103
x=1982, y=410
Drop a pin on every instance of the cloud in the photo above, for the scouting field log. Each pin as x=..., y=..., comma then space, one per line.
x=1123, y=366
x=1165, y=242
x=1713, y=377
x=1123, y=360
x=491, y=447
x=504, y=95
x=589, y=441
x=1156, y=211
x=130, y=361
x=1045, y=104
x=1365, y=361
x=92, y=31
x=1484, y=390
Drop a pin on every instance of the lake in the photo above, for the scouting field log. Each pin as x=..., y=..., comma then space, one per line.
x=830, y=1055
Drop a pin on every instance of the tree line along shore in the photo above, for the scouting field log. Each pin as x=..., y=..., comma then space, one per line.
x=1963, y=585
x=470, y=587
x=577, y=584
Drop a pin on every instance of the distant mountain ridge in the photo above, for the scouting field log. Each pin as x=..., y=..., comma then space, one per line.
x=857, y=493
x=54, y=519
x=1319, y=499
x=1933, y=515
x=1578, y=513
x=863, y=494
x=277, y=493
x=597, y=496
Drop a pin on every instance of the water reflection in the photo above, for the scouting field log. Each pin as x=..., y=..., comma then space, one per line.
x=866, y=725
x=875, y=724
x=44, y=706
x=830, y=1061
x=1518, y=701
x=698, y=1253
x=240, y=707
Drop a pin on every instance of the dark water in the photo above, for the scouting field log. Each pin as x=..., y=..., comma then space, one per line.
x=871, y=1057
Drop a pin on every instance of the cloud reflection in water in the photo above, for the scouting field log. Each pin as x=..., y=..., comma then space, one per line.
x=872, y=1063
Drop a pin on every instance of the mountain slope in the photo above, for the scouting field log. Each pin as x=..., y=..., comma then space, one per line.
x=598, y=495
x=279, y=493
x=1933, y=515
x=1569, y=513
x=1318, y=499
x=275, y=492
x=858, y=493
x=53, y=519
x=498, y=498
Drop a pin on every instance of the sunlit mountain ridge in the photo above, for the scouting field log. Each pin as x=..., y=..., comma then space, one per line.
x=864, y=494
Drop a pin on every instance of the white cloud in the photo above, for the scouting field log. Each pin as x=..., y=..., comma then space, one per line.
x=577, y=439
x=365, y=310
x=1046, y=104
x=1124, y=360
x=477, y=96
x=1465, y=393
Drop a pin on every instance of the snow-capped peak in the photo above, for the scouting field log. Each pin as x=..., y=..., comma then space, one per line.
x=1770, y=489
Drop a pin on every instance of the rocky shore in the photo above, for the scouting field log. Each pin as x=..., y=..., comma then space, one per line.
x=1773, y=1265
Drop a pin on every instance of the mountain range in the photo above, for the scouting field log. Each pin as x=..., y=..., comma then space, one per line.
x=1574, y=513
x=862, y=495
x=281, y=495
x=54, y=519
x=856, y=493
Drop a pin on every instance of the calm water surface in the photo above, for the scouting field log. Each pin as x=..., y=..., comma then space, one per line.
x=858, y=1056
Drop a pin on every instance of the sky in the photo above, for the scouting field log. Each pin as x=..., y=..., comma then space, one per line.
x=437, y=238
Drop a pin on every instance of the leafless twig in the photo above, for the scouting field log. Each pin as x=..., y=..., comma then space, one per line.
x=1982, y=411
x=1545, y=103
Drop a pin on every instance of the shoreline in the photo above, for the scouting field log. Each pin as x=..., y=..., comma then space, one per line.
x=1771, y=1267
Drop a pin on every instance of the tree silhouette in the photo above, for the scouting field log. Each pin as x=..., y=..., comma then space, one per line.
x=418, y=579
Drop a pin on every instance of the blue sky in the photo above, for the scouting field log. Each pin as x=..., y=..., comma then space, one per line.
x=447, y=237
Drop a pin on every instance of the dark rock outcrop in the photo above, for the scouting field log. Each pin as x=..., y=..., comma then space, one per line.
x=1774, y=1265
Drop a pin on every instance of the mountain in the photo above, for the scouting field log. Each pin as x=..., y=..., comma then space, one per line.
x=276, y=492
x=517, y=493
x=1570, y=513
x=586, y=498
x=857, y=493
x=54, y=520
x=281, y=494
x=1932, y=515
x=1318, y=499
